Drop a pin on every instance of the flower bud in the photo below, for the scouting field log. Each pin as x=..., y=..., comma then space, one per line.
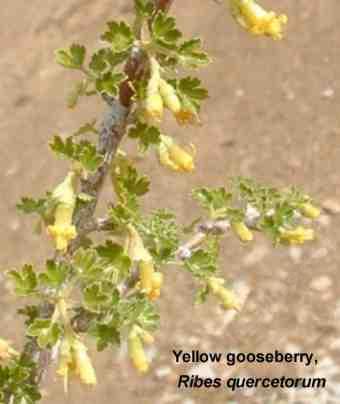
x=154, y=106
x=136, y=352
x=174, y=156
x=146, y=272
x=310, y=211
x=227, y=297
x=63, y=230
x=66, y=361
x=135, y=247
x=170, y=97
x=6, y=351
x=242, y=231
x=256, y=19
x=297, y=236
x=84, y=367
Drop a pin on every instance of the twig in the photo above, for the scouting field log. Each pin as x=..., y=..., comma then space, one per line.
x=216, y=227
x=112, y=131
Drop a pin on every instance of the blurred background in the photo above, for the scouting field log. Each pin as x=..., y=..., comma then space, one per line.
x=273, y=113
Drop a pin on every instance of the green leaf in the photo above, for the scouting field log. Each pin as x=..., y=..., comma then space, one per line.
x=105, y=59
x=84, y=152
x=191, y=93
x=16, y=381
x=71, y=58
x=55, y=274
x=99, y=296
x=201, y=295
x=109, y=83
x=201, y=264
x=119, y=35
x=25, y=281
x=160, y=235
x=121, y=215
x=216, y=201
x=30, y=205
x=144, y=8
x=46, y=332
x=79, y=89
x=164, y=31
x=117, y=263
x=88, y=265
x=105, y=334
x=139, y=310
x=190, y=54
x=127, y=181
x=147, y=136
x=88, y=127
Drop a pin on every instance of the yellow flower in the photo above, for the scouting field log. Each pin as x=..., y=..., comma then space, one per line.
x=310, y=211
x=297, y=236
x=84, y=367
x=157, y=282
x=170, y=97
x=175, y=157
x=135, y=247
x=136, y=351
x=227, y=297
x=6, y=351
x=73, y=359
x=242, y=231
x=257, y=20
x=66, y=361
x=63, y=230
x=146, y=272
x=154, y=106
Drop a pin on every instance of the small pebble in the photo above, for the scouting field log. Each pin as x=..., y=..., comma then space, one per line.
x=321, y=283
x=331, y=206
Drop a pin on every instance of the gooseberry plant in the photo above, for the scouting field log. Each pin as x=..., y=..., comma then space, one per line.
x=108, y=291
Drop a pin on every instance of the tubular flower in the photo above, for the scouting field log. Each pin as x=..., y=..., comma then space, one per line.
x=257, y=20
x=73, y=359
x=63, y=230
x=157, y=282
x=170, y=97
x=310, y=211
x=242, y=231
x=6, y=351
x=135, y=247
x=154, y=106
x=297, y=236
x=66, y=361
x=175, y=157
x=136, y=351
x=84, y=367
x=146, y=273
x=227, y=297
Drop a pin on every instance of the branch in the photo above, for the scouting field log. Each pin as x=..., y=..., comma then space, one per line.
x=216, y=227
x=111, y=134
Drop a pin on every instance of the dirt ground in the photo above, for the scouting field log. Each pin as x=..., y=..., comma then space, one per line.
x=273, y=114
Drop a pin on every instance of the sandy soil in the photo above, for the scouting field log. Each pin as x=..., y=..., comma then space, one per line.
x=273, y=114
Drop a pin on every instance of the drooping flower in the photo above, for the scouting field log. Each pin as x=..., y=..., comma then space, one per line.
x=242, y=231
x=136, y=351
x=170, y=97
x=175, y=157
x=296, y=236
x=74, y=360
x=255, y=19
x=226, y=296
x=154, y=106
x=63, y=231
x=310, y=211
